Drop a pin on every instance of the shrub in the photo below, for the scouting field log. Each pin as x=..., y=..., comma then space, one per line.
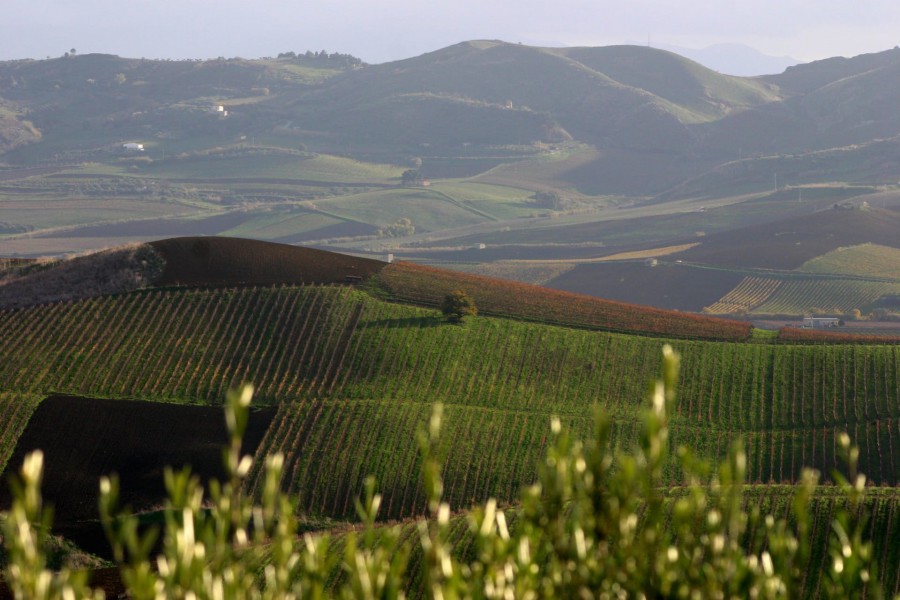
x=593, y=525
x=458, y=305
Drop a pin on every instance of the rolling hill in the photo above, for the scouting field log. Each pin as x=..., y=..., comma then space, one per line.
x=538, y=153
x=467, y=100
x=348, y=373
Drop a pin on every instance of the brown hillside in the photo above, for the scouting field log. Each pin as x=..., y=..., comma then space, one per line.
x=669, y=286
x=111, y=271
x=429, y=285
x=789, y=243
x=232, y=261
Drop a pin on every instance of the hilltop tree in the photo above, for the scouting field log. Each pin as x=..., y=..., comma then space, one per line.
x=458, y=305
x=399, y=228
x=411, y=177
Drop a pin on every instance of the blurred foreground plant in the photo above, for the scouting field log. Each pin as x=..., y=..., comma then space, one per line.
x=593, y=525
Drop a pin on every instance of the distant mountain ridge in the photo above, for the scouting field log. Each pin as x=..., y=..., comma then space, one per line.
x=656, y=118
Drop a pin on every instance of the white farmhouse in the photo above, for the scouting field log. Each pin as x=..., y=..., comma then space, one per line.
x=133, y=147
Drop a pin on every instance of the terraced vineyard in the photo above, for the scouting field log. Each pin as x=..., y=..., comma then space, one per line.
x=750, y=293
x=797, y=296
x=354, y=377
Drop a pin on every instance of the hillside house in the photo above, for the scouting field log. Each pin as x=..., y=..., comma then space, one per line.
x=218, y=110
x=132, y=147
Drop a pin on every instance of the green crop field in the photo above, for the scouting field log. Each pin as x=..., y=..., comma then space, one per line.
x=338, y=362
x=278, y=165
x=428, y=210
x=866, y=260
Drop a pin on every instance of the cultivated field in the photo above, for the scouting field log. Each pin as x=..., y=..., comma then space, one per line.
x=337, y=362
x=427, y=285
x=350, y=373
x=830, y=296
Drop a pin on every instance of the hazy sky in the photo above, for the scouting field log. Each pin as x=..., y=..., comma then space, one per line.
x=382, y=30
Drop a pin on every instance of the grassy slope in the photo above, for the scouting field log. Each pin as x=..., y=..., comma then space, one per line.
x=321, y=168
x=865, y=260
x=701, y=93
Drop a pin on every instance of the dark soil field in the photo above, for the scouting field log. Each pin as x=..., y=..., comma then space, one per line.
x=790, y=243
x=670, y=286
x=84, y=438
x=107, y=579
x=215, y=261
x=158, y=227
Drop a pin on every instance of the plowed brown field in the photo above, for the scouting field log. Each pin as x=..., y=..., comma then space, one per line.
x=83, y=439
x=215, y=261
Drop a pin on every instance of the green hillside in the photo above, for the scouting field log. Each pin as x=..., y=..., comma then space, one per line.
x=336, y=361
x=349, y=374
x=865, y=260
x=701, y=93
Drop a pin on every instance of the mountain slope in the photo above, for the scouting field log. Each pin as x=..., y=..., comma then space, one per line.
x=603, y=95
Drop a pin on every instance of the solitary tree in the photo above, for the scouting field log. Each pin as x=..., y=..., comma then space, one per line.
x=457, y=305
x=411, y=177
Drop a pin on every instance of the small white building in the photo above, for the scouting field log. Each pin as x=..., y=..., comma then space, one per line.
x=133, y=147
x=820, y=322
x=218, y=110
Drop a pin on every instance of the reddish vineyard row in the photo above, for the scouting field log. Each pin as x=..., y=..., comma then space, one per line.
x=428, y=285
x=796, y=335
